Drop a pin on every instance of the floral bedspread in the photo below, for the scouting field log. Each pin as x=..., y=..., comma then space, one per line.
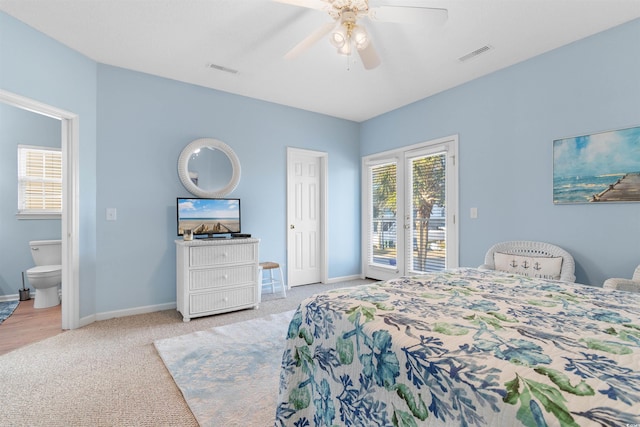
x=463, y=347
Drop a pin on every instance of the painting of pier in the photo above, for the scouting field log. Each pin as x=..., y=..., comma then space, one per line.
x=602, y=167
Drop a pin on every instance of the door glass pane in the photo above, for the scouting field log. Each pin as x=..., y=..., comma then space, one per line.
x=383, y=238
x=428, y=206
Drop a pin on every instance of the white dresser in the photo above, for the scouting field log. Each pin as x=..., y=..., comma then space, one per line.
x=216, y=276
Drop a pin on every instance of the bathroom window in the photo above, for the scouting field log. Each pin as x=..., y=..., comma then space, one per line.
x=39, y=182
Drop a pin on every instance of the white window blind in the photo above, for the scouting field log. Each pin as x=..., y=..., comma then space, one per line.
x=39, y=180
x=427, y=251
x=383, y=227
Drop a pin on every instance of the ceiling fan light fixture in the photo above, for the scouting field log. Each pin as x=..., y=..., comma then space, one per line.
x=360, y=37
x=346, y=35
x=339, y=37
x=345, y=49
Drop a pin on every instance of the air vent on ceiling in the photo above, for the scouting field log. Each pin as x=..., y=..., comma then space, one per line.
x=475, y=53
x=222, y=68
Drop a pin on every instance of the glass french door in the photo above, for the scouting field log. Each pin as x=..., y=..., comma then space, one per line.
x=426, y=212
x=409, y=212
x=383, y=220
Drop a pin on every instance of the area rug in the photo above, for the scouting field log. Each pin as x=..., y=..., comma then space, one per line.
x=7, y=308
x=229, y=374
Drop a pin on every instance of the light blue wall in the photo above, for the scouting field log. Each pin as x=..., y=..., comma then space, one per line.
x=506, y=123
x=37, y=67
x=144, y=123
x=22, y=127
x=133, y=127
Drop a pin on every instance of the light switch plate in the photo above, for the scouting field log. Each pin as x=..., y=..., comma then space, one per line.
x=111, y=214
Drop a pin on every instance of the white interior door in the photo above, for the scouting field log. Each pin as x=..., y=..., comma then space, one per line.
x=306, y=173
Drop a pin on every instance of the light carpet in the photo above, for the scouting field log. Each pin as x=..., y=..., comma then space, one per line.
x=6, y=309
x=229, y=374
x=109, y=373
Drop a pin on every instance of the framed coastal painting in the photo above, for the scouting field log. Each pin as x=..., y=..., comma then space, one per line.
x=598, y=168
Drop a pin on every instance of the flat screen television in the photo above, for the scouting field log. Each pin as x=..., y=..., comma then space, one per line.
x=208, y=217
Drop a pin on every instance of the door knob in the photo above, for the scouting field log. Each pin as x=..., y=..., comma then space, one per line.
x=292, y=226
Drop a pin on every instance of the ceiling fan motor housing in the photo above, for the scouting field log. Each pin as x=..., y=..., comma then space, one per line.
x=339, y=7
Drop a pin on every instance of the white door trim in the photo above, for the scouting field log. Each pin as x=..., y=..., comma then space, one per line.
x=323, y=156
x=70, y=197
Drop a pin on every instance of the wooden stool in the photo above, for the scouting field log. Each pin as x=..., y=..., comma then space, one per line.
x=269, y=265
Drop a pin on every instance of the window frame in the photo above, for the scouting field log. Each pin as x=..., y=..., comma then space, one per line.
x=24, y=213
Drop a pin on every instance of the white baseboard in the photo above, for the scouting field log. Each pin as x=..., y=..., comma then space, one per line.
x=13, y=297
x=129, y=312
x=345, y=278
x=107, y=314
x=87, y=320
x=151, y=308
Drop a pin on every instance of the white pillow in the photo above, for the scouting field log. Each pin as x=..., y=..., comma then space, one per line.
x=531, y=266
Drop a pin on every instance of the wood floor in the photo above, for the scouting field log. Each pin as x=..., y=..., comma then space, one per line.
x=27, y=325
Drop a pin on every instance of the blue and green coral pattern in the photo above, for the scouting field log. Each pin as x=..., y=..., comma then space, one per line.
x=463, y=347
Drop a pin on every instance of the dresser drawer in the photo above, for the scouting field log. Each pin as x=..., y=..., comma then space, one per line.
x=202, y=256
x=222, y=300
x=207, y=278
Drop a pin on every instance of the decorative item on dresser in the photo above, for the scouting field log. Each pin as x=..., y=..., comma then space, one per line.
x=216, y=276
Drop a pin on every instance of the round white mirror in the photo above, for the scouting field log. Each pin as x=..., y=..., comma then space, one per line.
x=209, y=168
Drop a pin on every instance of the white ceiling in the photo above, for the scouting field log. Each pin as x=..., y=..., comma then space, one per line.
x=177, y=39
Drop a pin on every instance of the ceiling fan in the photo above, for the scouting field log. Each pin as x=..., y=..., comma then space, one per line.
x=347, y=34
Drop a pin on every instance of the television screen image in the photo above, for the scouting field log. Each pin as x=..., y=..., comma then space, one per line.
x=208, y=216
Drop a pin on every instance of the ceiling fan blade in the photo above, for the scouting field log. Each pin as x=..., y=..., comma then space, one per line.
x=409, y=15
x=310, y=40
x=369, y=57
x=310, y=4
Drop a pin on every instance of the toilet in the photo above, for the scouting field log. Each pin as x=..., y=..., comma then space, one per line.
x=46, y=276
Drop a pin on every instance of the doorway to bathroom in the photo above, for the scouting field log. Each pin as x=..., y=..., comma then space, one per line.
x=69, y=127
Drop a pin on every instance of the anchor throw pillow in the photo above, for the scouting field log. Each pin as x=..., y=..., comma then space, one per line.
x=540, y=266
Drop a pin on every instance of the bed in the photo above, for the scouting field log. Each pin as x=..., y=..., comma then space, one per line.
x=463, y=347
